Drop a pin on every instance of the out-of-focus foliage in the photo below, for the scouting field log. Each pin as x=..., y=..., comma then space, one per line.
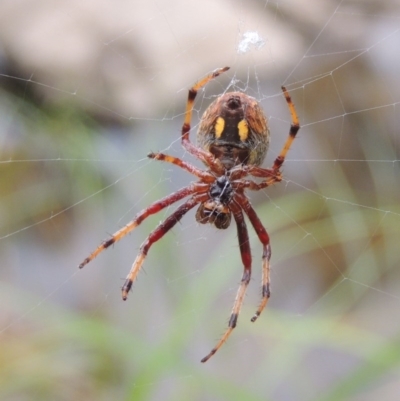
x=73, y=145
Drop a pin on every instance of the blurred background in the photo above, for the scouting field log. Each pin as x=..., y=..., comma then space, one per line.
x=87, y=90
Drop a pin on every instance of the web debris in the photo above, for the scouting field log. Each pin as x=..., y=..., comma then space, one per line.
x=250, y=40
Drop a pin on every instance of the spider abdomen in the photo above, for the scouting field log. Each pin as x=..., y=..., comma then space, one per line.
x=235, y=130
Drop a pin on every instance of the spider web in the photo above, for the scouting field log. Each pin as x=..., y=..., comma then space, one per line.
x=87, y=91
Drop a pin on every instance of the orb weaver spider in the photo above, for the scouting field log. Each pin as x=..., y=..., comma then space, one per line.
x=233, y=139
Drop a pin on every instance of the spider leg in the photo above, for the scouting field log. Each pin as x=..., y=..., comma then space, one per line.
x=294, y=128
x=254, y=186
x=152, y=209
x=201, y=154
x=204, y=175
x=245, y=252
x=263, y=236
x=272, y=175
x=155, y=235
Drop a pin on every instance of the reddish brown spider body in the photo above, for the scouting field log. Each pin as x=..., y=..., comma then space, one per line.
x=234, y=130
x=233, y=139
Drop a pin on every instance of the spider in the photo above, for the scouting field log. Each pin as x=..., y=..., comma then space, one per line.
x=233, y=139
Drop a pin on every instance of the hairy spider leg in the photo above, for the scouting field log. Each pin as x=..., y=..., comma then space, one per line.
x=294, y=128
x=203, y=175
x=254, y=186
x=201, y=154
x=156, y=235
x=152, y=209
x=266, y=255
x=245, y=253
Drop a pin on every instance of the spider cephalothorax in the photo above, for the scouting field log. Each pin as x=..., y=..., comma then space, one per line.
x=233, y=139
x=216, y=210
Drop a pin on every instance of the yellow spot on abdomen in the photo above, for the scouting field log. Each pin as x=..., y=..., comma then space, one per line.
x=243, y=130
x=219, y=127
